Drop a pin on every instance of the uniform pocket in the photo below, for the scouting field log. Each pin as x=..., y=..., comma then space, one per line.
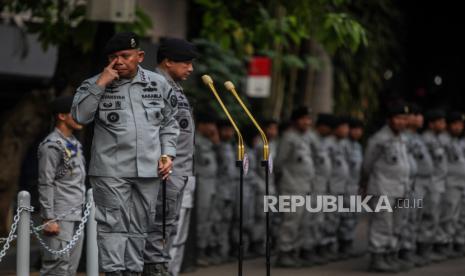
x=154, y=115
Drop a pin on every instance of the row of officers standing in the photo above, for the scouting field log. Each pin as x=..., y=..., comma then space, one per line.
x=143, y=138
x=418, y=165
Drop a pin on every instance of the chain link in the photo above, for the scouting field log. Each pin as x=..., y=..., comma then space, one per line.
x=59, y=217
x=11, y=235
x=70, y=245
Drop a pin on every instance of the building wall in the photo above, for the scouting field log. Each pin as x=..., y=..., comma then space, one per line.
x=169, y=17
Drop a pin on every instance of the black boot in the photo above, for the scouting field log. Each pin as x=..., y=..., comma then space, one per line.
x=202, y=258
x=345, y=249
x=288, y=259
x=379, y=264
x=405, y=260
x=423, y=253
x=114, y=273
x=158, y=269
x=307, y=257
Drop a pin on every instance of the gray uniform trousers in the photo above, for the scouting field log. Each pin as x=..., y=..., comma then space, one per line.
x=429, y=216
x=179, y=241
x=155, y=250
x=295, y=162
x=460, y=230
x=66, y=264
x=125, y=213
x=450, y=212
x=385, y=228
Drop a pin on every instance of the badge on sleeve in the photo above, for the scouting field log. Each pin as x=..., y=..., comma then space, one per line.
x=174, y=100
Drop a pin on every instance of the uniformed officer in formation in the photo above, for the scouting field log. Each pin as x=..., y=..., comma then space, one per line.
x=133, y=110
x=174, y=58
x=225, y=201
x=431, y=233
x=386, y=165
x=354, y=155
x=451, y=203
x=320, y=148
x=206, y=171
x=61, y=190
x=294, y=159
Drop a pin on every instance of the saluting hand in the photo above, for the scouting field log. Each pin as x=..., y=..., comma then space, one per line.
x=108, y=75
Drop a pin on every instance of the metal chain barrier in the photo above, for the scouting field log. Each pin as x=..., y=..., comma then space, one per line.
x=11, y=235
x=59, y=217
x=70, y=245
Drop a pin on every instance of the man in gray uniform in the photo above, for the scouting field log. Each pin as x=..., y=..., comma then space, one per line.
x=322, y=160
x=297, y=171
x=355, y=160
x=206, y=171
x=174, y=58
x=227, y=176
x=421, y=168
x=133, y=110
x=338, y=182
x=61, y=190
x=431, y=234
x=451, y=206
x=387, y=167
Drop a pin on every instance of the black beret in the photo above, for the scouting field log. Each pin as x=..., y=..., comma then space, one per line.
x=206, y=117
x=355, y=123
x=61, y=105
x=435, y=114
x=223, y=123
x=300, y=112
x=455, y=116
x=176, y=49
x=325, y=119
x=341, y=120
x=398, y=109
x=120, y=42
x=415, y=109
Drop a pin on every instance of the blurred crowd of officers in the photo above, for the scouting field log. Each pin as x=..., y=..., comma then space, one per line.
x=418, y=164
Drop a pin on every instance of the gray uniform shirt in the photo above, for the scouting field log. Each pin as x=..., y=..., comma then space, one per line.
x=386, y=163
x=322, y=160
x=295, y=163
x=340, y=168
x=227, y=170
x=456, y=161
x=61, y=177
x=184, y=162
x=134, y=124
x=437, y=151
x=355, y=160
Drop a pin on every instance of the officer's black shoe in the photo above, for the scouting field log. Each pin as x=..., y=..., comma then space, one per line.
x=378, y=263
x=132, y=273
x=257, y=249
x=202, y=259
x=423, y=253
x=320, y=255
x=405, y=260
x=345, y=249
x=213, y=256
x=307, y=258
x=158, y=269
x=392, y=260
x=114, y=273
x=287, y=259
x=438, y=253
x=458, y=249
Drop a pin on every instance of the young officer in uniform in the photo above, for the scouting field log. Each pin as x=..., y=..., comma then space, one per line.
x=174, y=59
x=133, y=110
x=387, y=166
x=61, y=190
